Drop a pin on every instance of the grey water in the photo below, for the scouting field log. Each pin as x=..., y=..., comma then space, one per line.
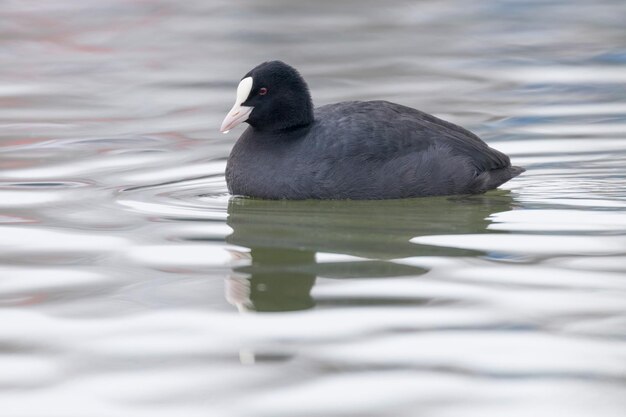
x=132, y=284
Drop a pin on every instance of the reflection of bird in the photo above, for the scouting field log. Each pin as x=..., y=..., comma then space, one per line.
x=285, y=238
x=349, y=150
x=276, y=280
x=237, y=292
x=369, y=229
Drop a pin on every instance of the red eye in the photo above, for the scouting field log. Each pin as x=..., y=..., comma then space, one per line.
x=262, y=91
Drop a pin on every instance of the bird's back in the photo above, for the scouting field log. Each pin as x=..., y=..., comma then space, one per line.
x=378, y=149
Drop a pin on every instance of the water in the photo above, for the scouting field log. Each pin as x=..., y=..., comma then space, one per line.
x=131, y=284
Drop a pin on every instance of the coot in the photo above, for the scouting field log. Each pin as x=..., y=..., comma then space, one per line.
x=348, y=150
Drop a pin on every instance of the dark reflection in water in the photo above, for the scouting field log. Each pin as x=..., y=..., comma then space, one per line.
x=285, y=236
x=280, y=280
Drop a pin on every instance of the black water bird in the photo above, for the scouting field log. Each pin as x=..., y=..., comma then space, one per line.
x=350, y=150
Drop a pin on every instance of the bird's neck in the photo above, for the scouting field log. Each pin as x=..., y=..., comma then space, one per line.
x=292, y=115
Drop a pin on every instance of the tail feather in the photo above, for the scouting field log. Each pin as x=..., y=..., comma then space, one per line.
x=515, y=171
x=489, y=180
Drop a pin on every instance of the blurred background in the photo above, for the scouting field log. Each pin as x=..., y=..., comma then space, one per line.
x=132, y=284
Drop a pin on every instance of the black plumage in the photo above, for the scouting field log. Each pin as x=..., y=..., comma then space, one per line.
x=352, y=150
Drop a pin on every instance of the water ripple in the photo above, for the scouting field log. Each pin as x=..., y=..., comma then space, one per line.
x=124, y=263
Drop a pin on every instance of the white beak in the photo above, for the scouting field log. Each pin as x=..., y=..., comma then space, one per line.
x=238, y=114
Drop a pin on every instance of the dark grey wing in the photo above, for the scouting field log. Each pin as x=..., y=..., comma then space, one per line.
x=460, y=141
x=387, y=130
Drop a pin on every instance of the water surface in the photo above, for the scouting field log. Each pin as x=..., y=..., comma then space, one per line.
x=132, y=284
